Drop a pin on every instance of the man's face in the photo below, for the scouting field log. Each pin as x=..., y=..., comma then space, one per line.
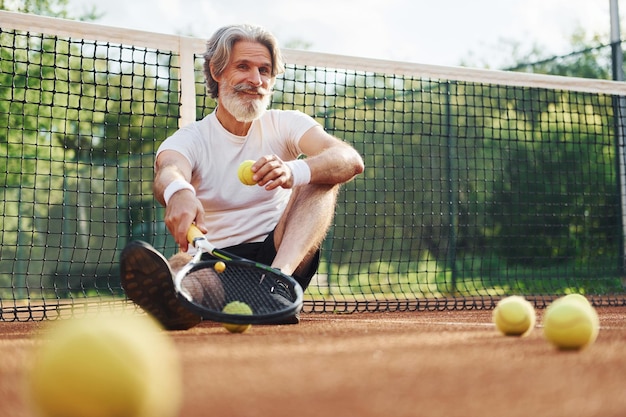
x=246, y=83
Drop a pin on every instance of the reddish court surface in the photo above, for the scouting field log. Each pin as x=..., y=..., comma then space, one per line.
x=375, y=364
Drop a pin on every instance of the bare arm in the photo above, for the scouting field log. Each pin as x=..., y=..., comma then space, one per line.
x=331, y=161
x=183, y=207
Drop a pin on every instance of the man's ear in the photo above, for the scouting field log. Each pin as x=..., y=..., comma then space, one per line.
x=213, y=74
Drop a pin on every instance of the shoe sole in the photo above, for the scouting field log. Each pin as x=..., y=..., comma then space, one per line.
x=289, y=320
x=147, y=281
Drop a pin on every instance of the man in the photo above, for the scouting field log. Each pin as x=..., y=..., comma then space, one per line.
x=282, y=220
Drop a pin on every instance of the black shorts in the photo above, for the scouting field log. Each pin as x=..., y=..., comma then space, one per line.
x=265, y=252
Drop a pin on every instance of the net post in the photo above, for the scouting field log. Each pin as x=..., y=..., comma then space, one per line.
x=453, y=199
x=616, y=43
x=187, y=82
x=619, y=109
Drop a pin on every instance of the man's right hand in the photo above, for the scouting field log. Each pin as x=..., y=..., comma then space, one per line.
x=182, y=210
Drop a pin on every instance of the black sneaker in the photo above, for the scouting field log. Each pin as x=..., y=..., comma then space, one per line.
x=295, y=319
x=147, y=280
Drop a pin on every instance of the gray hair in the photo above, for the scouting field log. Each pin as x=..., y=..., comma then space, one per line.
x=220, y=47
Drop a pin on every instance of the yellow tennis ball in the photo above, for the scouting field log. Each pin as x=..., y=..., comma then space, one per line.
x=245, y=172
x=576, y=297
x=570, y=324
x=240, y=308
x=219, y=267
x=514, y=316
x=106, y=366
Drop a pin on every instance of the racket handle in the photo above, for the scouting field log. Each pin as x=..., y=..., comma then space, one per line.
x=194, y=233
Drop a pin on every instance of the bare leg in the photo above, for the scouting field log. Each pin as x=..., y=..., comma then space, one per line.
x=147, y=280
x=178, y=260
x=303, y=226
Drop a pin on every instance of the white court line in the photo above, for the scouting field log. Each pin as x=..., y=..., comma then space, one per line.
x=408, y=321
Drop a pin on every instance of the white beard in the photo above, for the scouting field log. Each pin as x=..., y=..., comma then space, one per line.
x=242, y=106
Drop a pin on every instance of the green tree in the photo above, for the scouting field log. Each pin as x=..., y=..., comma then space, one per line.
x=79, y=125
x=51, y=8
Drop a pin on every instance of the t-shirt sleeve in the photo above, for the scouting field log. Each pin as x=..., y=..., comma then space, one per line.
x=297, y=124
x=182, y=141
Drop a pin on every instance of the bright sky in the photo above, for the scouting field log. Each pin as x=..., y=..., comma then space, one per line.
x=445, y=32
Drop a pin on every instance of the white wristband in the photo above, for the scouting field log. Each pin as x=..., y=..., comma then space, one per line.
x=174, y=187
x=300, y=171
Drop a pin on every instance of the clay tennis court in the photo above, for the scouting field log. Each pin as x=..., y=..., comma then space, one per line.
x=425, y=363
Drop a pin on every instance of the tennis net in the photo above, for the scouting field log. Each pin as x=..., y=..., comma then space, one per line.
x=478, y=184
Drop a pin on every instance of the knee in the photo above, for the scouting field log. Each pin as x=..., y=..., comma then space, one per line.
x=318, y=192
x=179, y=260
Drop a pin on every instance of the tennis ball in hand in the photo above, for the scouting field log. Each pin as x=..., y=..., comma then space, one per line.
x=514, y=316
x=240, y=308
x=105, y=366
x=570, y=323
x=245, y=172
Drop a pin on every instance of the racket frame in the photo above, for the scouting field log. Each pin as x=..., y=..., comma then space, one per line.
x=202, y=244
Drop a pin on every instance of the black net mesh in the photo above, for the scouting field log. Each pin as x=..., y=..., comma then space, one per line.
x=472, y=190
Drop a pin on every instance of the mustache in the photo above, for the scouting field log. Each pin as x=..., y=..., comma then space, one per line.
x=251, y=89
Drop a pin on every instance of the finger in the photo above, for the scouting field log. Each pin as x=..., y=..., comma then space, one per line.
x=262, y=161
x=181, y=236
x=199, y=222
x=274, y=170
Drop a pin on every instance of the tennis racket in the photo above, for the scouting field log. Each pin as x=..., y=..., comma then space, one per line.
x=206, y=287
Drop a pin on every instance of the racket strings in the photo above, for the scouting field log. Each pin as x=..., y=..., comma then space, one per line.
x=265, y=292
x=205, y=288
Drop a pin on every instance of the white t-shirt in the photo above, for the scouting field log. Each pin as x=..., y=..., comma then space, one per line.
x=236, y=213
